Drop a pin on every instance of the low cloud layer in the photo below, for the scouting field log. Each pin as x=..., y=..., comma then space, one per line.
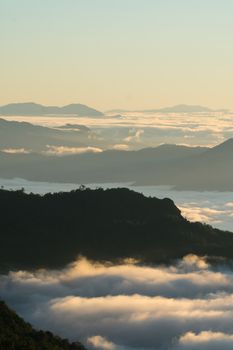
x=15, y=150
x=206, y=341
x=129, y=307
x=150, y=129
x=63, y=150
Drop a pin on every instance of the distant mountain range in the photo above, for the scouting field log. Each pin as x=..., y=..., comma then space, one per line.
x=16, y=334
x=34, y=109
x=108, y=166
x=80, y=110
x=185, y=168
x=182, y=108
x=104, y=225
x=195, y=168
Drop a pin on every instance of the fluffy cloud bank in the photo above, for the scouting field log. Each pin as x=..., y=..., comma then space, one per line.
x=151, y=129
x=15, y=150
x=129, y=307
x=206, y=341
x=62, y=150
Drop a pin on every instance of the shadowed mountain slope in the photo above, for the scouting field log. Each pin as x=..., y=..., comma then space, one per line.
x=52, y=230
x=15, y=334
x=107, y=166
x=211, y=170
x=185, y=168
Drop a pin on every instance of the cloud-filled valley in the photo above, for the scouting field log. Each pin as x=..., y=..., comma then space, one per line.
x=116, y=175
x=184, y=306
x=146, y=149
x=139, y=129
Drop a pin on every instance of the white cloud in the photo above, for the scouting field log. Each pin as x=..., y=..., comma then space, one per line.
x=197, y=129
x=206, y=340
x=127, y=306
x=121, y=147
x=194, y=213
x=63, y=150
x=134, y=135
x=101, y=343
x=229, y=204
x=16, y=150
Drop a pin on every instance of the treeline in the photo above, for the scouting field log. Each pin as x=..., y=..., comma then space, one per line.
x=15, y=334
x=52, y=230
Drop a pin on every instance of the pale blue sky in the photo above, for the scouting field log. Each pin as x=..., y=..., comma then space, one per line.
x=117, y=53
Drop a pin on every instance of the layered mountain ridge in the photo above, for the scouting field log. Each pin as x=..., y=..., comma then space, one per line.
x=184, y=168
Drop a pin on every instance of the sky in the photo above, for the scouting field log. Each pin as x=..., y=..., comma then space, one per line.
x=131, y=54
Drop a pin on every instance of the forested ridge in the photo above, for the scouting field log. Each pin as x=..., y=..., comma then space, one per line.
x=16, y=334
x=53, y=229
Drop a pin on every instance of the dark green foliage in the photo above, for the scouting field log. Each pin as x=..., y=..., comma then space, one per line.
x=15, y=334
x=52, y=230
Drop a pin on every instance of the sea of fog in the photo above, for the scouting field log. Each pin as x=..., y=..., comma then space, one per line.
x=200, y=129
x=185, y=306
x=215, y=208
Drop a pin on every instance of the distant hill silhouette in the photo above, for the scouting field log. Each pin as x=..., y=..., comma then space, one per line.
x=16, y=334
x=52, y=230
x=31, y=108
x=15, y=134
x=211, y=170
x=181, y=108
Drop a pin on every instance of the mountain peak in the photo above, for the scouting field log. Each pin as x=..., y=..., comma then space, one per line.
x=183, y=108
x=32, y=108
x=224, y=146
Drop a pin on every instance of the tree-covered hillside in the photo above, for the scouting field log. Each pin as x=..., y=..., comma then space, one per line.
x=52, y=230
x=15, y=334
